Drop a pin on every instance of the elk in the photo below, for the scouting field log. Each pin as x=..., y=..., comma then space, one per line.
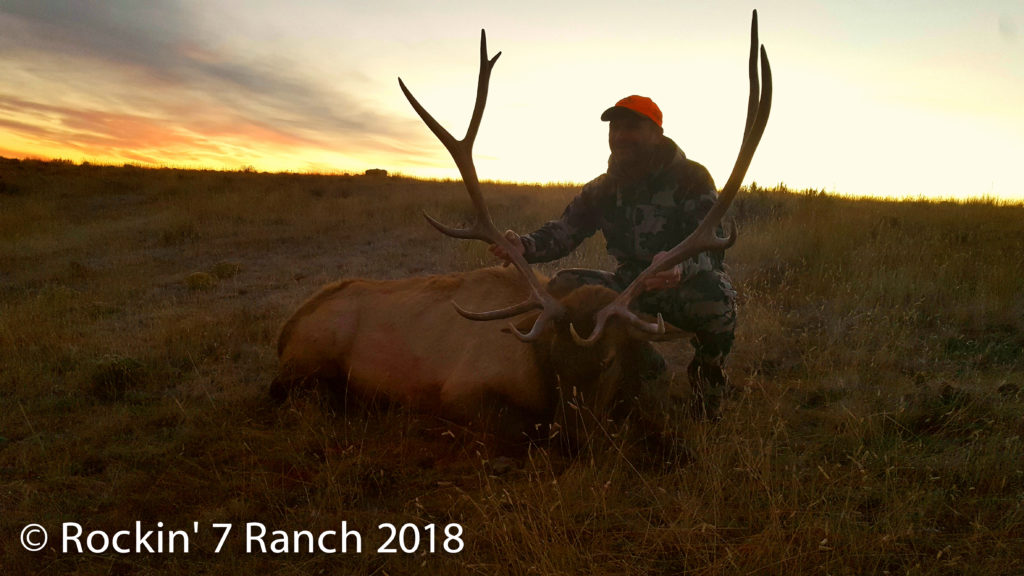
x=423, y=342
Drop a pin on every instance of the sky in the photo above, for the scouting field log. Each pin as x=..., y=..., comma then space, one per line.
x=872, y=98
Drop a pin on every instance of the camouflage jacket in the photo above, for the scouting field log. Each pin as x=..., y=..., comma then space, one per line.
x=639, y=218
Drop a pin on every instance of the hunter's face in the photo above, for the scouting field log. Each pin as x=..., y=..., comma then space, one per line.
x=632, y=137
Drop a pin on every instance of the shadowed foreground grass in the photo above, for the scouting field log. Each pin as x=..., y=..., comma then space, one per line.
x=877, y=426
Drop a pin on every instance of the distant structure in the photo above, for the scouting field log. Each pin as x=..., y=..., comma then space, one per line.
x=376, y=172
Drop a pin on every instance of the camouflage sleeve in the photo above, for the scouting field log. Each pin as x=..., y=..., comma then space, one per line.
x=557, y=238
x=700, y=195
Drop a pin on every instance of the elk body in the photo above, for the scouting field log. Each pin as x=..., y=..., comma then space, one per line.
x=404, y=341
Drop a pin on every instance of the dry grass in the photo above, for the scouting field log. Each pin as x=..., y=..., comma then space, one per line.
x=877, y=428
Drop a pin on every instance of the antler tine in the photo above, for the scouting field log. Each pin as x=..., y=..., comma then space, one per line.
x=462, y=150
x=752, y=100
x=483, y=227
x=705, y=237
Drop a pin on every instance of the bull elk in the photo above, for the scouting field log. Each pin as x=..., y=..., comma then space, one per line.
x=404, y=341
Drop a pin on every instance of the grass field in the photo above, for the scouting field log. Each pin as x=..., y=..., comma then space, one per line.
x=877, y=427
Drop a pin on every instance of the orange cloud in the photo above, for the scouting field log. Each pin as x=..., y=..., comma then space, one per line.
x=145, y=84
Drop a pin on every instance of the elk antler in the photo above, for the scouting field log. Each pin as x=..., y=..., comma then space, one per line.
x=483, y=228
x=704, y=238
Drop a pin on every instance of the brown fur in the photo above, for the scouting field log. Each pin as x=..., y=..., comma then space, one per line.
x=403, y=341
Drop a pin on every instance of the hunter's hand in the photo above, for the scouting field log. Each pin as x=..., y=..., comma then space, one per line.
x=500, y=253
x=666, y=278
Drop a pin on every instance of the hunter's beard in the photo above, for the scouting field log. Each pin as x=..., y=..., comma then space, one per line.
x=632, y=162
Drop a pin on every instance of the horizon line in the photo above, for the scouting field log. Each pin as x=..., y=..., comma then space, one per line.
x=780, y=187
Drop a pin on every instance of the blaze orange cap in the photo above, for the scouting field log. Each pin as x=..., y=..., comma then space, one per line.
x=641, y=105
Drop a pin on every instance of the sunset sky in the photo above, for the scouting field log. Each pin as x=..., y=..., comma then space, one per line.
x=906, y=98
